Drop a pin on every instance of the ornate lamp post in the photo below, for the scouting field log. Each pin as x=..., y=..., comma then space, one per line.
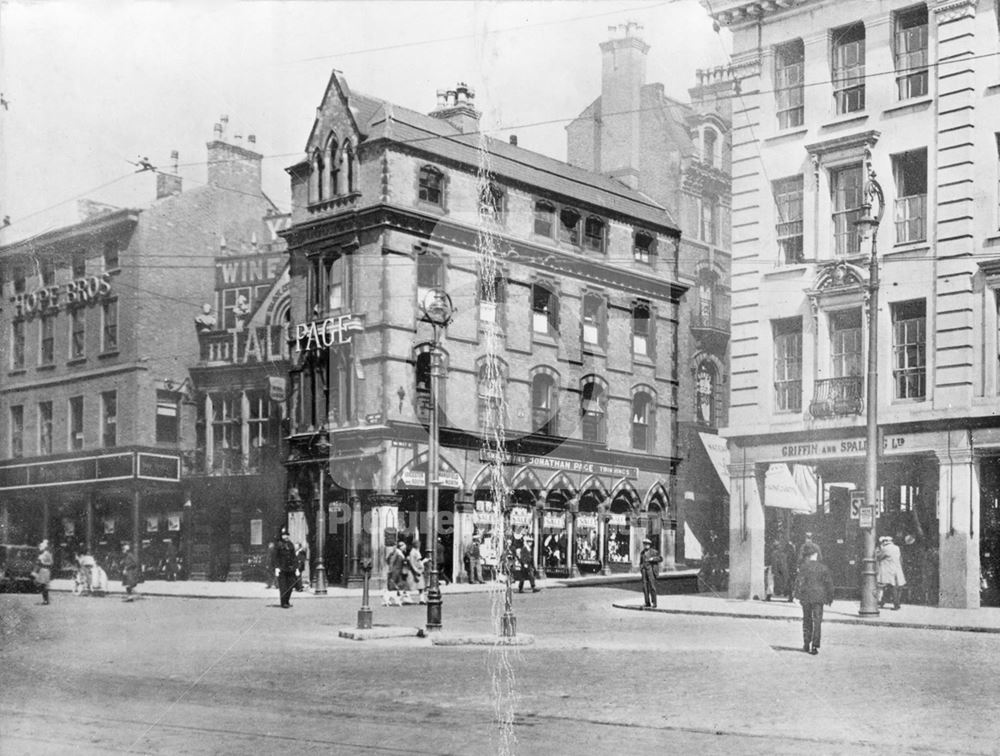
x=872, y=208
x=438, y=311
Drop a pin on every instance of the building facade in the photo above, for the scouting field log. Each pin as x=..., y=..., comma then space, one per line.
x=834, y=95
x=679, y=155
x=559, y=397
x=96, y=396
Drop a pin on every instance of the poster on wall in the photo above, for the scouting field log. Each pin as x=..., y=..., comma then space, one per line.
x=174, y=521
x=152, y=524
x=109, y=525
x=256, y=532
x=69, y=527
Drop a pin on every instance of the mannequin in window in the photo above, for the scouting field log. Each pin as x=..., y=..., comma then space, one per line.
x=205, y=320
x=240, y=311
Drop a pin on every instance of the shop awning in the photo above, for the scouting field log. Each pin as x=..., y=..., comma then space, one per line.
x=718, y=452
x=782, y=491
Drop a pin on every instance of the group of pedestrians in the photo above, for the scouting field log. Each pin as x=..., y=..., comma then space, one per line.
x=405, y=576
x=42, y=572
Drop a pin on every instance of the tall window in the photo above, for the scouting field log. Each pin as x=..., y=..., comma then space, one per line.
x=997, y=137
x=705, y=393
x=48, y=272
x=911, y=52
x=431, y=185
x=109, y=419
x=709, y=219
x=167, y=418
x=709, y=139
x=642, y=329
x=593, y=320
x=789, y=63
x=227, y=431
x=45, y=427
x=642, y=247
x=492, y=296
x=79, y=264
x=430, y=274
x=319, y=176
x=259, y=425
x=544, y=310
x=910, y=172
x=340, y=401
x=544, y=404
x=642, y=417
x=593, y=424
x=47, y=328
x=77, y=332
x=490, y=394
x=336, y=283
x=491, y=200
x=17, y=431
x=788, y=203
x=545, y=215
x=569, y=226
x=788, y=364
x=593, y=232
x=76, y=423
x=846, y=185
x=20, y=282
x=849, y=68
x=110, y=256
x=909, y=349
x=109, y=325
x=17, y=345
x=846, y=343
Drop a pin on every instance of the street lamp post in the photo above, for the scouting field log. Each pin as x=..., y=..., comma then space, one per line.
x=868, y=225
x=438, y=311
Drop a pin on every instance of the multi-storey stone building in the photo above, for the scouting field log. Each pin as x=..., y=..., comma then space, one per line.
x=678, y=154
x=566, y=292
x=96, y=398
x=833, y=95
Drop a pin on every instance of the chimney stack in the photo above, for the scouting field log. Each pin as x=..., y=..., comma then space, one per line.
x=456, y=106
x=622, y=79
x=231, y=165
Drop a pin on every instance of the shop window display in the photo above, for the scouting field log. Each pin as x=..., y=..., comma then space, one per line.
x=619, y=544
x=554, y=541
x=588, y=556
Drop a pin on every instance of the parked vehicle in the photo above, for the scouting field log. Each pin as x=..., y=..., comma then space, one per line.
x=16, y=565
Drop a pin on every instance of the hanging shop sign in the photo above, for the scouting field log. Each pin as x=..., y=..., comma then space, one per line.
x=79, y=291
x=419, y=479
x=276, y=388
x=323, y=334
x=245, y=346
x=838, y=448
x=252, y=269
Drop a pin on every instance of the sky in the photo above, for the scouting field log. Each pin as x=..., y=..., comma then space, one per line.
x=92, y=85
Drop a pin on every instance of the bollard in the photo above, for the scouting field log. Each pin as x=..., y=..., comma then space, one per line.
x=365, y=612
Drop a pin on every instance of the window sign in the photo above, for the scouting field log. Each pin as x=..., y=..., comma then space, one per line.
x=174, y=521
x=152, y=524
x=256, y=532
x=109, y=525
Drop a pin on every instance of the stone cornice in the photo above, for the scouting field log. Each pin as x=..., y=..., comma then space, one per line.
x=738, y=12
x=952, y=10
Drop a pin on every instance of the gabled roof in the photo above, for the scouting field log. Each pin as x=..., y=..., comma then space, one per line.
x=438, y=137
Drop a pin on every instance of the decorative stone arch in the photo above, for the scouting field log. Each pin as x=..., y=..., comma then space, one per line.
x=418, y=463
x=619, y=542
x=316, y=178
x=708, y=375
x=348, y=167
x=544, y=406
x=661, y=522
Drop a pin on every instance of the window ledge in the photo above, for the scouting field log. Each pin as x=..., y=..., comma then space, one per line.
x=544, y=338
x=795, y=268
x=643, y=359
x=434, y=207
x=595, y=350
x=107, y=355
x=908, y=248
x=787, y=134
x=909, y=106
x=992, y=241
x=17, y=372
x=48, y=367
x=846, y=120
x=77, y=361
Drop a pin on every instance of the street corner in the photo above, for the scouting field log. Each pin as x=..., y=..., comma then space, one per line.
x=379, y=632
x=480, y=639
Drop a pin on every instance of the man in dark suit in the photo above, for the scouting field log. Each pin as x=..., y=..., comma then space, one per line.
x=286, y=567
x=814, y=587
x=649, y=568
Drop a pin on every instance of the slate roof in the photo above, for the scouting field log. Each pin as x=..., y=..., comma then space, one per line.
x=438, y=137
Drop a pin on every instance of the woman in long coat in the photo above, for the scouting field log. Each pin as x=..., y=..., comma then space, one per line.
x=130, y=572
x=394, y=583
x=889, y=570
x=43, y=570
x=415, y=576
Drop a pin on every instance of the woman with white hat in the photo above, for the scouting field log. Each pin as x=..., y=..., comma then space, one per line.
x=889, y=570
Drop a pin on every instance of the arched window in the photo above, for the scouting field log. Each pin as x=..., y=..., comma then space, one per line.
x=544, y=310
x=333, y=161
x=708, y=145
x=593, y=421
x=594, y=320
x=317, y=178
x=431, y=185
x=347, y=156
x=544, y=404
x=705, y=390
x=642, y=421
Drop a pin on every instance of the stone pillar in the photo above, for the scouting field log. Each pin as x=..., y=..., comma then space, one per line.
x=958, y=529
x=746, y=532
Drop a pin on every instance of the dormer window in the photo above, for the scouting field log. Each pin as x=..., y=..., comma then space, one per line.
x=594, y=234
x=544, y=219
x=431, y=183
x=643, y=247
x=708, y=141
x=569, y=226
x=491, y=200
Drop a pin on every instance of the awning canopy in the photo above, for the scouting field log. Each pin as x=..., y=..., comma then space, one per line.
x=718, y=452
x=785, y=490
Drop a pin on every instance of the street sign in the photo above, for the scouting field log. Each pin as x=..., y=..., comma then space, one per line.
x=867, y=517
x=857, y=501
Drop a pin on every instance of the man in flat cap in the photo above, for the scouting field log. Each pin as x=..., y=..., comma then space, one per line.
x=649, y=569
x=814, y=588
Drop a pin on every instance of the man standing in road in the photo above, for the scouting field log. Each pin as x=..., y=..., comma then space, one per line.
x=649, y=568
x=525, y=565
x=814, y=587
x=286, y=567
x=130, y=572
x=474, y=557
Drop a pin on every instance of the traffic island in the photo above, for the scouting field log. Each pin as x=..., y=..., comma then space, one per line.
x=380, y=632
x=456, y=639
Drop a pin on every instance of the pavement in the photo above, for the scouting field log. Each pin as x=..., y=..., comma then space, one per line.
x=983, y=620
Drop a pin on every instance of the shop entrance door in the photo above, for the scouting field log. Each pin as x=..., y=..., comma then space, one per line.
x=989, y=532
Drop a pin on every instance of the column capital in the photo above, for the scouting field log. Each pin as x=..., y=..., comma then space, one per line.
x=953, y=10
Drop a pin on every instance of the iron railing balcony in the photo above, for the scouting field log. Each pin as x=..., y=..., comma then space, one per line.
x=833, y=397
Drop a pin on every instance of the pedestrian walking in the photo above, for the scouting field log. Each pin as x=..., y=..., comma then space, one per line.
x=270, y=565
x=649, y=568
x=130, y=572
x=474, y=556
x=394, y=583
x=814, y=587
x=889, y=569
x=43, y=570
x=526, y=566
x=415, y=573
x=286, y=568
x=301, y=559
x=811, y=544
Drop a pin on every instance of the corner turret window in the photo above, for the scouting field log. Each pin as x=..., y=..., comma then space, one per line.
x=431, y=185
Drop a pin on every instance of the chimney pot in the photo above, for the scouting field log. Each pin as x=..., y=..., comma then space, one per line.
x=452, y=97
x=252, y=139
x=442, y=98
x=217, y=129
x=513, y=139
